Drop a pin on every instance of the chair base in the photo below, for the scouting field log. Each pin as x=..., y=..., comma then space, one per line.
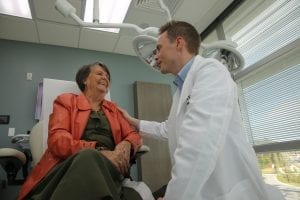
x=3, y=184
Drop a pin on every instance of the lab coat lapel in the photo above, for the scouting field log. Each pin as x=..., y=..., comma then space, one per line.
x=187, y=86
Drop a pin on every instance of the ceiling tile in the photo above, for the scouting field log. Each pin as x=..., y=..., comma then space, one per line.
x=15, y=28
x=200, y=13
x=45, y=10
x=97, y=40
x=215, y=9
x=58, y=34
x=50, y=27
x=145, y=18
x=124, y=46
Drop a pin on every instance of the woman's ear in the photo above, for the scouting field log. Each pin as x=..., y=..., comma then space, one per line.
x=84, y=81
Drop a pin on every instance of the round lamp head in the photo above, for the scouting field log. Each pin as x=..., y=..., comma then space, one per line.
x=225, y=52
x=145, y=48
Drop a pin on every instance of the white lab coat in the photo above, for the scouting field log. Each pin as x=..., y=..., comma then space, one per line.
x=211, y=158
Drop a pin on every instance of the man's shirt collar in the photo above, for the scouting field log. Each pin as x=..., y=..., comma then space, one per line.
x=180, y=77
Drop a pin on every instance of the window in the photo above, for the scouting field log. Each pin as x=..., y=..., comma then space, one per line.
x=268, y=39
x=282, y=169
x=111, y=11
x=18, y=8
x=272, y=29
x=271, y=111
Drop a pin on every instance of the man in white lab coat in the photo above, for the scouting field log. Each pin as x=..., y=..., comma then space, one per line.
x=211, y=158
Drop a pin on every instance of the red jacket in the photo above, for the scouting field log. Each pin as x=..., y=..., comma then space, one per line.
x=66, y=125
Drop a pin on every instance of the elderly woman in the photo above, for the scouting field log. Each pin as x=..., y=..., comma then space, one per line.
x=89, y=145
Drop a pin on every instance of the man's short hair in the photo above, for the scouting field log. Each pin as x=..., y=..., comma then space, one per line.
x=183, y=29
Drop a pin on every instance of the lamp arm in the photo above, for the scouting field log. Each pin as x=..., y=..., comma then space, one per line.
x=106, y=25
x=96, y=11
x=66, y=9
x=165, y=8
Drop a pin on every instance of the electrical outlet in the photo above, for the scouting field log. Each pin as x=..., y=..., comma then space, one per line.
x=29, y=76
x=11, y=132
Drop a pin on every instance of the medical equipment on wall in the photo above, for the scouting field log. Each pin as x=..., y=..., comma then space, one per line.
x=144, y=44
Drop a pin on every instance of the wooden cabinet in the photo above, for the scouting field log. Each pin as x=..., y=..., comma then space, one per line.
x=153, y=102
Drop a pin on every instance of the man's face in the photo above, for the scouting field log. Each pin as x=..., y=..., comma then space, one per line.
x=166, y=54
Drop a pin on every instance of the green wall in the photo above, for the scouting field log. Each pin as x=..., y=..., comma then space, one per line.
x=18, y=95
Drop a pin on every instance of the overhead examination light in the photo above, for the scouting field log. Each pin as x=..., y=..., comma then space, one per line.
x=144, y=44
x=224, y=51
x=145, y=48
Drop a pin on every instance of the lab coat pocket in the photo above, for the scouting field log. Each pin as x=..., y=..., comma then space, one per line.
x=243, y=190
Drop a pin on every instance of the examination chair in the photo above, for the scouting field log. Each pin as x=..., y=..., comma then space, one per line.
x=12, y=160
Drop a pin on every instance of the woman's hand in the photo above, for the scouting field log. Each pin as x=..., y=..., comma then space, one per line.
x=120, y=157
x=123, y=150
x=133, y=121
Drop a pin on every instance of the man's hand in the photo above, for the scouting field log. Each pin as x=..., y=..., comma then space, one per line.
x=133, y=121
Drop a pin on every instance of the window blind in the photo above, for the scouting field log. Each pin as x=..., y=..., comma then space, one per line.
x=271, y=108
x=271, y=30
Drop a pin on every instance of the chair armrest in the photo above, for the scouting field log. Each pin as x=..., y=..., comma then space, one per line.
x=20, y=138
x=141, y=151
